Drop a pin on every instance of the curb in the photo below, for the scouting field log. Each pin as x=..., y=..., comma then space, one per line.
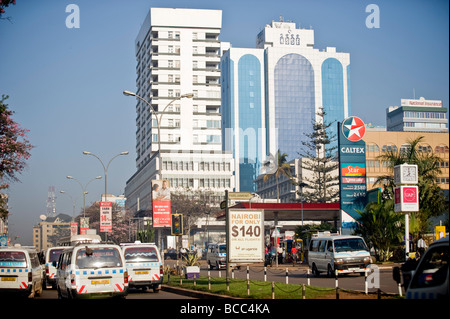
x=194, y=293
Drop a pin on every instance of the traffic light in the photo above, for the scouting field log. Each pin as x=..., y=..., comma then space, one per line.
x=177, y=224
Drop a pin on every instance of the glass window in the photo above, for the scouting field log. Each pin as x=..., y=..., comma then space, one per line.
x=98, y=257
x=140, y=254
x=14, y=259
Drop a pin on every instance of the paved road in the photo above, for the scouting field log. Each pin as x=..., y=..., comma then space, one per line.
x=132, y=294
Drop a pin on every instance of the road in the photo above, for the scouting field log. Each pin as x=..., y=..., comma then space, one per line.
x=132, y=294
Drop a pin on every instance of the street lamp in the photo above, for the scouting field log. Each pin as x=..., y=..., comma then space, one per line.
x=84, y=190
x=105, y=169
x=158, y=120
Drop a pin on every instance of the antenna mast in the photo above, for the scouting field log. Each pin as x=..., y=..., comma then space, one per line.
x=51, y=202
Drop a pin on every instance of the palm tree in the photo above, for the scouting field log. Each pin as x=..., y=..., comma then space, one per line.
x=282, y=167
x=431, y=200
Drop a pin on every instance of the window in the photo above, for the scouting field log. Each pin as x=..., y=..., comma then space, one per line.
x=389, y=148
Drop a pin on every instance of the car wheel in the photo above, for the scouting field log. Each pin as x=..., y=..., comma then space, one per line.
x=315, y=272
x=330, y=271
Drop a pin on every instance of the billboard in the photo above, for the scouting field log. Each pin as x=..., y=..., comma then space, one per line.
x=246, y=235
x=352, y=169
x=106, y=217
x=161, y=203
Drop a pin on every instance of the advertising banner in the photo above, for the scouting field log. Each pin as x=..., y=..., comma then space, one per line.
x=106, y=217
x=73, y=228
x=406, y=199
x=352, y=170
x=161, y=203
x=84, y=224
x=246, y=235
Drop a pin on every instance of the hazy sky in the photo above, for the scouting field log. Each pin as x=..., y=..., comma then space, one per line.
x=65, y=85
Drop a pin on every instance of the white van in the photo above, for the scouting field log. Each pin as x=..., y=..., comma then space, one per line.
x=20, y=271
x=92, y=271
x=51, y=255
x=430, y=279
x=216, y=255
x=346, y=254
x=144, y=265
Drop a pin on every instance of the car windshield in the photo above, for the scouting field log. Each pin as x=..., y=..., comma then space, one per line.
x=54, y=255
x=14, y=259
x=223, y=249
x=140, y=254
x=98, y=257
x=349, y=244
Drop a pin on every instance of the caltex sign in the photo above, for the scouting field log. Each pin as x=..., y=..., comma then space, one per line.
x=353, y=128
x=352, y=170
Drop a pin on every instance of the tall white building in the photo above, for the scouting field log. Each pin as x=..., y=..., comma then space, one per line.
x=178, y=52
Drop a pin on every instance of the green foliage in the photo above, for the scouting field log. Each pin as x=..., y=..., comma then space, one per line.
x=380, y=226
x=431, y=198
x=319, y=158
x=191, y=260
x=281, y=167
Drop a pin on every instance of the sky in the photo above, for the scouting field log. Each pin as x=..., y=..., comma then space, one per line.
x=65, y=84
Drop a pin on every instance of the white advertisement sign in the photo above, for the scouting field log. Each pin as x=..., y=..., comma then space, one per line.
x=246, y=235
x=106, y=216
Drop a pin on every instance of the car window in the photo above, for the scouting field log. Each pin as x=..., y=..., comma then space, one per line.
x=12, y=259
x=98, y=257
x=223, y=249
x=433, y=269
x=141, y=254
x=54, y=255
x=349, y=244
x=322, y=245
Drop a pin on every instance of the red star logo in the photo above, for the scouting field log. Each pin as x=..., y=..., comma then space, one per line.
x=353, y=128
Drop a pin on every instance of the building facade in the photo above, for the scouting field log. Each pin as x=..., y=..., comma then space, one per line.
x=178, y=52
x=417, y=116
x=272, y=94
x=47, y=233
x=379, y=142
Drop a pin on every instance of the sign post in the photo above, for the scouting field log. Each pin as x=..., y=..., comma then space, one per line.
x=406, y=197
x=352, y=171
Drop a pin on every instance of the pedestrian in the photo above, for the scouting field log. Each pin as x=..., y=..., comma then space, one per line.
x=294, y=255
x=280, y=254
x=421, y=245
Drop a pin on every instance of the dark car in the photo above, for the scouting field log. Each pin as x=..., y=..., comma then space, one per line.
x=170, y=254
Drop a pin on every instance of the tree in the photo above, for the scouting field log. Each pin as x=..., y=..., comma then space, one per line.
x=431, y=197
x=193, y=204
x=320, y=155
x=4, y=4
x=281, y=168
x=14, y=149
x=120, y=224
x=380, y=225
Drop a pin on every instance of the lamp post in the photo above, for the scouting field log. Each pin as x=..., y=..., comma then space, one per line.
x=158, y=120
x=84, y=190
x=105, y=168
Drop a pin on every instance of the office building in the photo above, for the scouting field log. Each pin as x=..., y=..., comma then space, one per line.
x=417, y=116
x=275, y=92
x=178, y=53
